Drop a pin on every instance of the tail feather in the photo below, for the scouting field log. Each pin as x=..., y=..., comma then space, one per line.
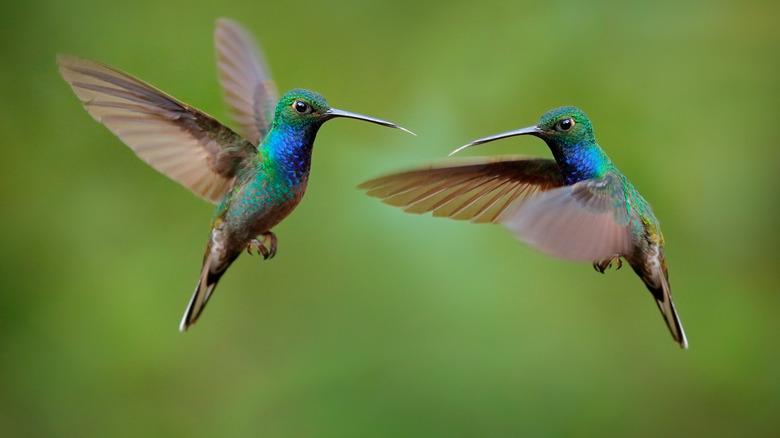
x=205, y=288
x=652, y=271
x=663, y=298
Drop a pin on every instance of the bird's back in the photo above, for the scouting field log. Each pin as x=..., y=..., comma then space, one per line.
x=644, y=223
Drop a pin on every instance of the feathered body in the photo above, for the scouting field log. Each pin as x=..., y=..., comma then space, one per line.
x=256, y=178
x=265, y=191
x=578, y=206
x=580, y=158
x=272, y=185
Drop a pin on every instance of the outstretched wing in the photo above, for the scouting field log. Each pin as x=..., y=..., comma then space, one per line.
x=586, y=221
x=179, y=141
x=477, y=191
x=246, y=81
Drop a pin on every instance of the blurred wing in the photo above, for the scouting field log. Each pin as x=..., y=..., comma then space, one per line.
x=249, y=91
x=584, y=221
x=479, y=191
x=179, y=141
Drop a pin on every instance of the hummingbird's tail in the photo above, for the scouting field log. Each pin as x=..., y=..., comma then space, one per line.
x=209, y=277
x=658, y=284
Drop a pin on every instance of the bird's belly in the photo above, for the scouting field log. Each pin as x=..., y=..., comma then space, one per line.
x=271, y=217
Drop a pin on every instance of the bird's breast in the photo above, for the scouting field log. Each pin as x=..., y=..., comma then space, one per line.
x=261, y=204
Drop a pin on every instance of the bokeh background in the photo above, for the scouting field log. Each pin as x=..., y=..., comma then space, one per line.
x=372, y=322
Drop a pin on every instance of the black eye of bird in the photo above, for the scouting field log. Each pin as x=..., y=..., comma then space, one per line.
x=565, y=125
x=301, y=107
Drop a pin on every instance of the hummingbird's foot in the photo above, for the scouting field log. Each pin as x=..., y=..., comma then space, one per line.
x=257, y=246
x=603, y=265
x=271, y=238
x=266, y=245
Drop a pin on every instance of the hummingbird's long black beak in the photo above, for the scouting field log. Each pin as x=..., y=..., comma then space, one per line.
x=531, y=130
x=333, y=113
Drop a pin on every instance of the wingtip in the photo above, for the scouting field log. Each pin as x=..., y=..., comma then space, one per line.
x=366, y=185
x=73, y=62
x=64, y=59
x=66, y=65
x=225, y=24
x=221, y=21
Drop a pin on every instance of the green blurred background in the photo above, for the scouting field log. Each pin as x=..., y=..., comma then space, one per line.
x=372, y=322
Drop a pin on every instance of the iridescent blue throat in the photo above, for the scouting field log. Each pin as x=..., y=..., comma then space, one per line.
x=580, y=161
x=289, y=150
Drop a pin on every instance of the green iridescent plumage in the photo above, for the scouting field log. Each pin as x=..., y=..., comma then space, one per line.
x=256, y=178
x=578, y=206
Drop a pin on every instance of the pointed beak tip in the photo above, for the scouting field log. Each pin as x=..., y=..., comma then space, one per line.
x=524, y=131
x=405, y=130
x=465, y=146
x=333, y=113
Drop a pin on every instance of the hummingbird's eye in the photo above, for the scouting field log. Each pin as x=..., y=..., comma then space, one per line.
x=564, y=125
x=301, y=107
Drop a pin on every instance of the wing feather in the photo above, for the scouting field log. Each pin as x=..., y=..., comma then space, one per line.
x=586, y=221
x=246, y=81
x=179, y=141
x=479, y=191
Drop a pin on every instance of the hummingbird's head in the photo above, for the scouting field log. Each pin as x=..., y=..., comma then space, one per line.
x=301, y=107
x=566, y=125
x=304, y=108
x=561, y=127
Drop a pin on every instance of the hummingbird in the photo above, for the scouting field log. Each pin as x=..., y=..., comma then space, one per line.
x=578, y=206
x=256, y=177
